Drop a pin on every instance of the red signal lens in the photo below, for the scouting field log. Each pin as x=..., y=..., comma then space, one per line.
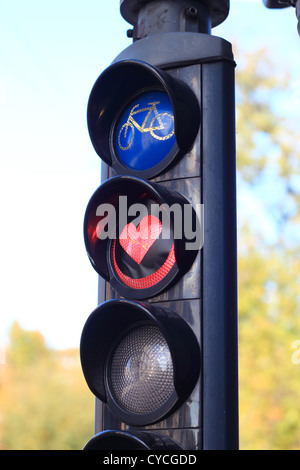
x=147, y=281
x=137, y=241
x=140, y=257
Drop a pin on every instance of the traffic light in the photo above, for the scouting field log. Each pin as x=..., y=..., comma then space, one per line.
x=284, y=4
x=160, y=350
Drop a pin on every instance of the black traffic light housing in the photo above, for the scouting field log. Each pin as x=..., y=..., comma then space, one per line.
x=163, y=259
x=138, y=440
x=128, y=80
x=103, y=334
x=192, y=311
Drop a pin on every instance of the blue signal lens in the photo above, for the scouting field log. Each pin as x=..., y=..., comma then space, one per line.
x=145, y=132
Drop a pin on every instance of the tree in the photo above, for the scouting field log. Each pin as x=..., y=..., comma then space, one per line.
x=268, y=146
x=268, y=158
x=45, y=403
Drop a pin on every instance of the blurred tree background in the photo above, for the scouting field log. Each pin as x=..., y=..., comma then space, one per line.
x=44, y=400
x=268, y=164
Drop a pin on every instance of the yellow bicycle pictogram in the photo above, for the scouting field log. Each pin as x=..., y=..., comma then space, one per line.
x=155, y=125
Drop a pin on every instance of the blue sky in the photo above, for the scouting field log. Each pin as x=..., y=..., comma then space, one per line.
x=51, y=53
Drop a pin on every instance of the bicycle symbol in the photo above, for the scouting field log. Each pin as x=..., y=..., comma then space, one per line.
x=159, y=122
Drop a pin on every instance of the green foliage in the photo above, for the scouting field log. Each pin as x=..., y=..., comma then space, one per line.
x=268, y=145
x=45, y=403
x=268, y=160
x=26, y=347
x=269, y=324
x=258, y=88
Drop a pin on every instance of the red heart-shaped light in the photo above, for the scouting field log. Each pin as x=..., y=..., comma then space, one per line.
x=137, y=241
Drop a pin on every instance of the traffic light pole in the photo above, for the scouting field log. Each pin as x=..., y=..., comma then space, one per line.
x=220, y=336
x=174, y=37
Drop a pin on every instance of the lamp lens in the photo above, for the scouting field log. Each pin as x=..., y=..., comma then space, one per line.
x=141, y=372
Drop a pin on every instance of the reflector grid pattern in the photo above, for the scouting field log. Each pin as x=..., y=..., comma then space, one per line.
x=142, y=371
x=148, y=281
